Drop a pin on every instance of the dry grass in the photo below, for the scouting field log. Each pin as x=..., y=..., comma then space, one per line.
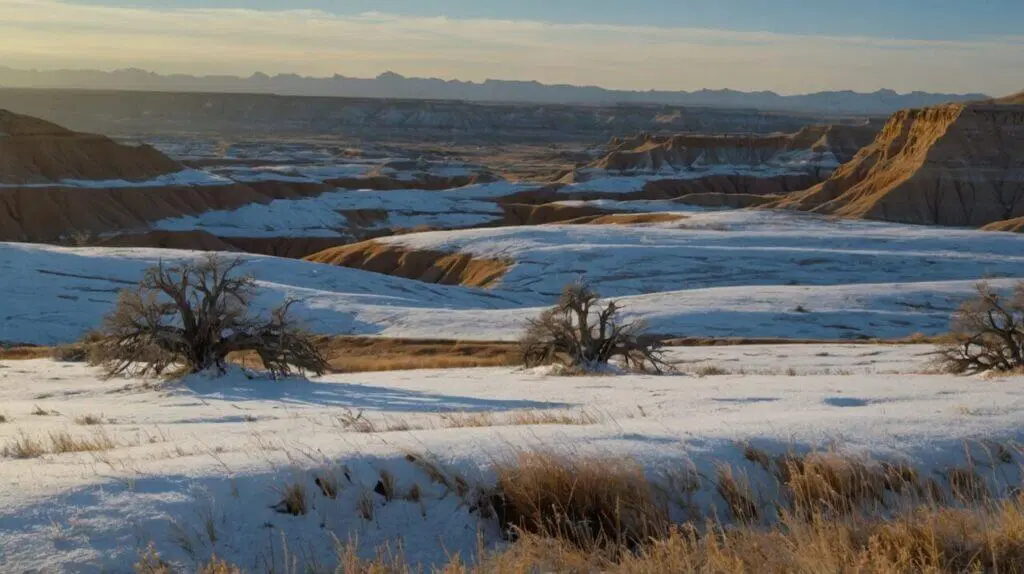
x=63, y=442
x=24, y=446
x=150, y=562
x=519, y=418
x=368, y=354
x=710, y=371
x=293, y=500
x=58, y=442
x=581, y=514
x=371, y=354
x=89, y=420
x=589, y=501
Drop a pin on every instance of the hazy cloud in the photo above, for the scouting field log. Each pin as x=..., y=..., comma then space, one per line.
x=52, y=34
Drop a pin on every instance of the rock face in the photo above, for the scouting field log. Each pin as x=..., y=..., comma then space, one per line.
x=421, y=264
x=814, y=150
x=34, y=152
x=956, y=164
x=50, y=213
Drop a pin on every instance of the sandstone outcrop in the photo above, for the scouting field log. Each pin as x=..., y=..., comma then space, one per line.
x=958, y=164
x=419, y=264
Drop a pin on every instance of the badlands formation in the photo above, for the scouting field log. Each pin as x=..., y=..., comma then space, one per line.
x=958, y=164
x=441, y=251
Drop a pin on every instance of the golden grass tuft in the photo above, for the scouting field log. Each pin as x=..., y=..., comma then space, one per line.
x=218, y=566
x=64, y=442
x=59, y=442
x=710, y=371
x=293, y=500
x=589, y=501
x=592, y=513
x=24, y=446
x=519, y=418
x=89, y=420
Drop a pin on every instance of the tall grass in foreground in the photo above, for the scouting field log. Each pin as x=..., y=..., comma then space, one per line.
x=824, y=512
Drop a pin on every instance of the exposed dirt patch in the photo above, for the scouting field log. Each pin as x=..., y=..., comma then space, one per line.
x=366, y=354
x=422, y=265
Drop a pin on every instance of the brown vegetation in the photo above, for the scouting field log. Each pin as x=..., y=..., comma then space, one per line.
x=419, y=264
x=579, y=334
x=193, y=316
x=825, y=512
x=987, y=335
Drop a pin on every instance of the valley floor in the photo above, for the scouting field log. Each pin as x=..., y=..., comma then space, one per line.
x=196, y=468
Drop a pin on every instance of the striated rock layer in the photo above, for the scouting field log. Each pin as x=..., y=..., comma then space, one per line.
x=421, y=264
x=814, y=150
x=960, y=165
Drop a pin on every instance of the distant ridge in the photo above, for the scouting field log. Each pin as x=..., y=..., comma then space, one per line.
x=392, y=85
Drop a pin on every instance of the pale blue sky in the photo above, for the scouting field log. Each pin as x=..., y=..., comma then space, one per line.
x=918, y=19
x=784, y=45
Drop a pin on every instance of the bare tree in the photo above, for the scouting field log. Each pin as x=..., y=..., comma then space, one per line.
x=987, y=333
x=193, y=315
x=579, y=332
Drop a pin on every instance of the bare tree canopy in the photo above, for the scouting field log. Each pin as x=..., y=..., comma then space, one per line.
x=193, y=315
x=579, y=332
x=987, y=334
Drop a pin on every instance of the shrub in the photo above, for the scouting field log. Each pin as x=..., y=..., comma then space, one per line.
x=193, y=315
x=987, y=334
x=579, y=333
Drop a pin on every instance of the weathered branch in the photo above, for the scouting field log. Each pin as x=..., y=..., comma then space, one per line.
x=578, y=332
x=193, y=316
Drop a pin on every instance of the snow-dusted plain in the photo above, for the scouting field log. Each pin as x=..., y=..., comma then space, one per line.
x=319, y=216
x=739, y=273
x=195, y=468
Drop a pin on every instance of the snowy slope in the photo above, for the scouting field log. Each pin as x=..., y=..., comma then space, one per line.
x=713, y=274
x=212, y=456
x=320, y=216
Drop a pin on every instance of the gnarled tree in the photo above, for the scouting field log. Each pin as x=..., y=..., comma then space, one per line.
x=987, y=333
x=578, y=332
x=193, y=315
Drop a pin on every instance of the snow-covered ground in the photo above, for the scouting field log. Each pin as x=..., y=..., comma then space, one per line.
x=320, y=216
x=738, y=273
x=185, y=177
x=195, y=468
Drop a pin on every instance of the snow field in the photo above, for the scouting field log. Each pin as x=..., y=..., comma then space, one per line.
x=218, y=454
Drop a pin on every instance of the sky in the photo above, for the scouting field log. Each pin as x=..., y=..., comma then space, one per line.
x=788, y=46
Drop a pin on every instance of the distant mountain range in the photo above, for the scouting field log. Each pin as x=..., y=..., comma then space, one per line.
x=392, y=85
